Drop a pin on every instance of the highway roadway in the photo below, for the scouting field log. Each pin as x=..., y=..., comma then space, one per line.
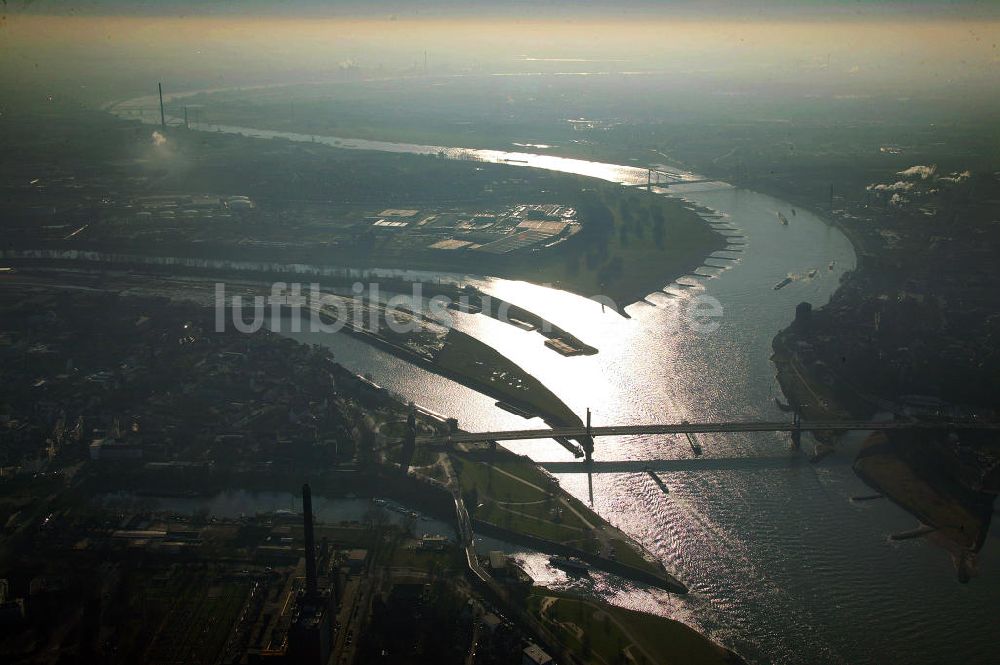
x=705, y=428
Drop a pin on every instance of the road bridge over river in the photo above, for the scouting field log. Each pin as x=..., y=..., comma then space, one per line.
x=795, y=427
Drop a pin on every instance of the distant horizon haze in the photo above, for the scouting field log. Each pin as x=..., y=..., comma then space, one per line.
x=115, y=54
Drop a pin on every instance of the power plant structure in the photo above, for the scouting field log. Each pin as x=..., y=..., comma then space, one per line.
x=163, y=117
x=310, y=635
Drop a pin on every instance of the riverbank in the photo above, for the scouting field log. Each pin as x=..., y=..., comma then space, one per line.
x=461, y=357
x=516, y=474
x=473, y=364
x=953, y=517
x=556, y=338
x=814, y=398
x=632, y=242
x=612, y=633
x=511, y=497
x=923, y=474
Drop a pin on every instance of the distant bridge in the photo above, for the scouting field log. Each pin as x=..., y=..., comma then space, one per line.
x=795, y=427
x=658, y=178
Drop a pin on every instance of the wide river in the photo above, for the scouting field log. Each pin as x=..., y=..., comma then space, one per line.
x=782, y=565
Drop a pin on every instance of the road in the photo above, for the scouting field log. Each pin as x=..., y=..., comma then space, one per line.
x=704, y=428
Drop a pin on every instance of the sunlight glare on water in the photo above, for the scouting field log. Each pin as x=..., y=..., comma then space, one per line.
x=782, y=566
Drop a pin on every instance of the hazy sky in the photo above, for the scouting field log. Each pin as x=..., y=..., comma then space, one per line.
x=103, y=48
x=406, y=8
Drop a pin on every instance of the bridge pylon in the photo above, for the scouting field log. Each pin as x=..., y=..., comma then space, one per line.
x=588, y=442
x=796, y=430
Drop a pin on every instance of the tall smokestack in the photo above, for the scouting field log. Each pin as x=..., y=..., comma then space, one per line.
x=163, y=118
x=307, y=511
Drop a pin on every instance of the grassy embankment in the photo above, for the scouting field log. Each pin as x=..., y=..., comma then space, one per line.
x=633, y=243
x=603, y=633
x=512, y=493
x=490, y=372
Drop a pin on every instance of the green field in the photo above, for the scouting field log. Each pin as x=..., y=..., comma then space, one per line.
x=633, y=244
x=515, y=505
x=530, y=503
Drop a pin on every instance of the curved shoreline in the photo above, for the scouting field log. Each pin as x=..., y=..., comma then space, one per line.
x=794, y=381
x=670, y=266
x=557, y=414
x=681, y=196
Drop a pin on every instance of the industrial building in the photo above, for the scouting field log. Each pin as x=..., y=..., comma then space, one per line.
x=310, y=635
